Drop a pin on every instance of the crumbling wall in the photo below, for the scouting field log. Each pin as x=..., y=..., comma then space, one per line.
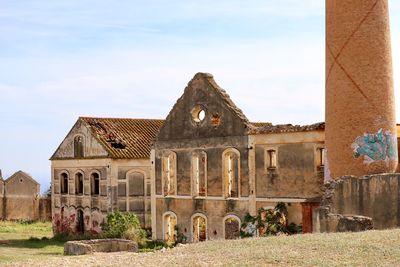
x=374, y=196
x=45, y=209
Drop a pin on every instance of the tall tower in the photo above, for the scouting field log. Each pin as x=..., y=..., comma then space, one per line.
x=360, y=128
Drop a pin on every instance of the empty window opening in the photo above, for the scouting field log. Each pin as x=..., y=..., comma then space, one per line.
x=231, y=174
x=321, y=157
x=64, y=183
x=170, y=232
x=271, y=159
x=95, y=183
x=80, y=224
x=169, y=178
x=79, y=183
x=199, y=167
x=198, y=114
x=199, y=229
x=78, y=147
x=232, y=228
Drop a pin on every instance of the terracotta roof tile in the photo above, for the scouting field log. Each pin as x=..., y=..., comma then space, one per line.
x=125, y=138
x=285, y=128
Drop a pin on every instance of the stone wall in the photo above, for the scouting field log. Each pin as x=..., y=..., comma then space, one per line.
x=354, y=198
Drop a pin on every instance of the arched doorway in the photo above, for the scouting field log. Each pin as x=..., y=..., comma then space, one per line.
x=231, y=227
x=170, y=222
x=199, y=228
x=80, y=224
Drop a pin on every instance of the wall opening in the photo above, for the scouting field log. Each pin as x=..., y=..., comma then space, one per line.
x=95, y=183
x=199, y=230
x=170, y=223
x=271, y=159
x=80, y=224
x=199, y=169
x=64, y=183
x=78, y=147
x=169, y=174
x=232, y=228
x=79, y=183
x=231, y=174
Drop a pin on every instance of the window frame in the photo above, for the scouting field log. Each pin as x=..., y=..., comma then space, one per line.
x=171, y=158
x=196, y=174
x=225, y=173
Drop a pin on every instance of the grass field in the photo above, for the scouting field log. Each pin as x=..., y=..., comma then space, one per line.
x=20, y=241
x=373, y=248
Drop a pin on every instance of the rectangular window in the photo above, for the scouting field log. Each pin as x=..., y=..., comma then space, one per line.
x=321, y=154
x=271, y=159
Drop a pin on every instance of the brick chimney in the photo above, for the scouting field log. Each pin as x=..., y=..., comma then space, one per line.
x=360, y=128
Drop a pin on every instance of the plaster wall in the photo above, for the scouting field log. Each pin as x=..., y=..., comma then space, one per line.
x=298, y=173
x=21, y=198
x=95, y=207
x=374, y=196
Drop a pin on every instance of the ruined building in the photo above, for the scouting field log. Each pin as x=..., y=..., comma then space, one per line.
x=102, y=166
x=20, y=198
x=211, y=167
x=361, y=134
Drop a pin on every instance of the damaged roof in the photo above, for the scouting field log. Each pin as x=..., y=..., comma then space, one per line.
x=285, y=128
x=124, y=138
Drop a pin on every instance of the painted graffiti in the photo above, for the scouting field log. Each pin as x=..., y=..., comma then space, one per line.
x=381, y=146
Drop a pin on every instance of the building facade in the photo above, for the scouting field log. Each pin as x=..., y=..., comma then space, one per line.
x=20, y=198
x=102, y=166
x=211, y=167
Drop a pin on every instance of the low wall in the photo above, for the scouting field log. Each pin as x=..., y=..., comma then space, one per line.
x=355, y=199
x=99, y=245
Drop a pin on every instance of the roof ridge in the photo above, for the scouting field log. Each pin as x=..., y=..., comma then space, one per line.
x=119, y=118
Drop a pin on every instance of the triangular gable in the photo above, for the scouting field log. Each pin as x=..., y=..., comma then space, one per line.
x=92, y=147
x=221, y=116
x=18, y=174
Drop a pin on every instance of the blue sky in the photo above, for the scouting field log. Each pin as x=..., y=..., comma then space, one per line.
x=67, y=58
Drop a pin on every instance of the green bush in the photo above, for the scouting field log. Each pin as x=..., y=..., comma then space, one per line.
x=124, y=225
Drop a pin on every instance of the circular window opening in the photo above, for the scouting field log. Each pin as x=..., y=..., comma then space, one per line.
x=198, y=114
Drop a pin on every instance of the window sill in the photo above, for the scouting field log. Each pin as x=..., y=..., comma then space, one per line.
x=232, y=198
x=199, y=197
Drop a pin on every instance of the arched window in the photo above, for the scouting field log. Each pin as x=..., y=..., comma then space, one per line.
x=169, y=174
x=231, y=170
x=231, y=227
x=64, y=183
x=78, y=147
x=199, y=174
x=79, y=183
x=199, y=228
x=95, y=183
x=170, y=223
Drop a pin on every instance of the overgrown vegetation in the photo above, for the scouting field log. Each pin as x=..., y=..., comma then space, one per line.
x=124, y=225
x=269, y=222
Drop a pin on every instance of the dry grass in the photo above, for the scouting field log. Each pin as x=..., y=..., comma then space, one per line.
x=22, y=241
x=349, y=249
